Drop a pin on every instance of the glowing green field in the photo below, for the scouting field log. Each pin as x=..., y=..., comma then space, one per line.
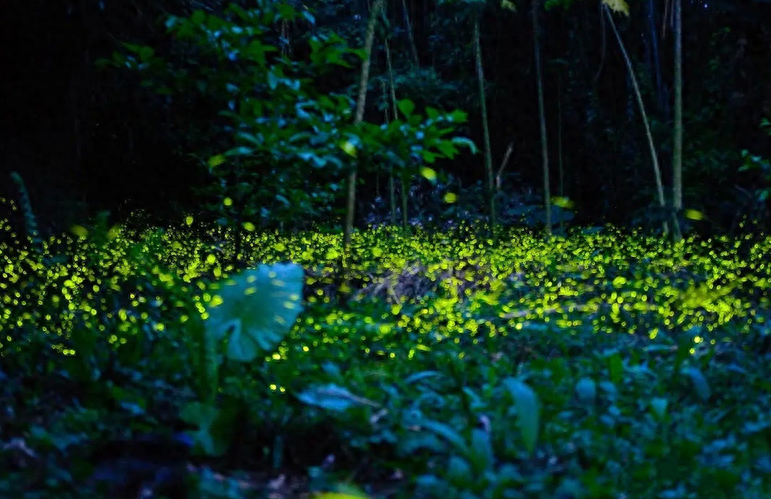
x=649, y=364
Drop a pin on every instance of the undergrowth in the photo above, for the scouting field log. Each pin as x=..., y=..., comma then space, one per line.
x=601, y=364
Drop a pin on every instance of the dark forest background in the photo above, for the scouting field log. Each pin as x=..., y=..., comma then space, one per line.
x=88, y=138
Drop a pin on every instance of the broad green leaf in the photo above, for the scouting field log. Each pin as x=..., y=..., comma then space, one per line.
x=526, y=404
x=699, y=382
x=259, y=306
x=615, y=368
x=333, y=398
x=203, y=417
x=447, y=148
x=482, y=458
x=216, y=160
x=446, y=432
x=406, y=106
x=432, y=113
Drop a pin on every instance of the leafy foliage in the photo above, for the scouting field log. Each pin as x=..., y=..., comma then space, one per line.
x=588, y=366
x=274, y=124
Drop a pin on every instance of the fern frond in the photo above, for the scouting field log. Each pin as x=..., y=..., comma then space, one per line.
x=30, y=222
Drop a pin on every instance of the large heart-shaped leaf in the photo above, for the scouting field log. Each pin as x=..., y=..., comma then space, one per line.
x=258, y=308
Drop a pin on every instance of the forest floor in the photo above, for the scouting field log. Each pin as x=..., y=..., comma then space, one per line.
x=598, y=365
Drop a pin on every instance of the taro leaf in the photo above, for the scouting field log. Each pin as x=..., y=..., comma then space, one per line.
x=526, y=403
x=203, y=416
x=699, y=382
x=259, y=307
x=333, y=398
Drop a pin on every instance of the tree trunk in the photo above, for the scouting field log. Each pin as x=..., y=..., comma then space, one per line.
x=411, y=38
x=404, y=181
x=641, y=105
x=677, y=146
x=653, y=33
x=485, y=124
x=542, y=119
x=363, y=82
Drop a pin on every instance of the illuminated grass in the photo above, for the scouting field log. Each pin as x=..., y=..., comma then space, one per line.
x=432, y=325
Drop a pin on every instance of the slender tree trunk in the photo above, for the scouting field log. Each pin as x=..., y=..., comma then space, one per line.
x=653, y=33
x=542, y=118
x=641, y=105
x=362, y=98
x=677, y=146
x=485, y=123
x=387, y=119
x=404, y=194
x=560, y=162
x=559, y=144
x=410, y=36
x=403, y=180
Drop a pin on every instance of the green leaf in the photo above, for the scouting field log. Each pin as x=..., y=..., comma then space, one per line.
x=448, y=433
x=216, y=160
x=586, y=391
x=406, y=106
x=333, y=398
x=463, y=141
x=699, y=382
x=203, y=417
x=659, y=408
x=459, y=473
x=526, y=404
x=432, y=113
x=481, y=457
x=615, y=368
x=420, y=376
x=259, y=307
